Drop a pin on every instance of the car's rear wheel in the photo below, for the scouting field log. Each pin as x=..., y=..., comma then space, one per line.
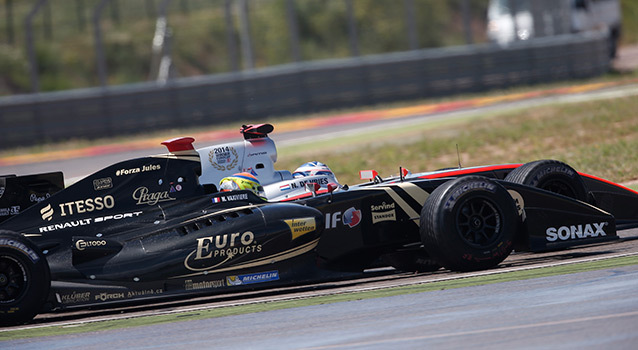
x=24, y=279
x=550, y=175
x=469, y=223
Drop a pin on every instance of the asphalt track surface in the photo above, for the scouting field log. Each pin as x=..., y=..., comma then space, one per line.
x=584, y=310
x=587, y=310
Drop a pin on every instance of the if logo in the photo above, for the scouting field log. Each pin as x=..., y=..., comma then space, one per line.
x=350, y=218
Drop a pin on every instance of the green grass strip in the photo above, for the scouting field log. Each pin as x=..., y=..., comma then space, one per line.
x=269, y=306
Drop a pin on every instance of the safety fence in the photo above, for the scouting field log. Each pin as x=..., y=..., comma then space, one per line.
x=297, y=88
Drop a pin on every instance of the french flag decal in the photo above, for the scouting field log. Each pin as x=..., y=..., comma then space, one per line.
x=216, y=200
x=284, y=187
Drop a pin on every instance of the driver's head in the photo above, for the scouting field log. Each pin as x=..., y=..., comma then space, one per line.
x=242, y=181
x=312, y=169
x=315, y=169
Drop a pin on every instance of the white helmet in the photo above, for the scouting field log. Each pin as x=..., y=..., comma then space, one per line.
x=312, y=169
x=309, y=173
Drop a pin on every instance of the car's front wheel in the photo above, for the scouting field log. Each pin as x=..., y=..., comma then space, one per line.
x=469, y=223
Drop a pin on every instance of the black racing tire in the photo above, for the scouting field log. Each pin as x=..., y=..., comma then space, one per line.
x=24, y=279
x=551, y=175
x=411, y=261
x=469, y=223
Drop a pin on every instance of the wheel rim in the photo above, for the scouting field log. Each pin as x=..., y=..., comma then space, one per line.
x=560, y=187
x=478, y=221
x=13, y=279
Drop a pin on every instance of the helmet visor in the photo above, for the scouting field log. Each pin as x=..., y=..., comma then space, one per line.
x=228, y=185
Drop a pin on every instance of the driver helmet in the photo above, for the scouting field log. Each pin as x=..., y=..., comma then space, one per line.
x=242, y=181
x=314, y=169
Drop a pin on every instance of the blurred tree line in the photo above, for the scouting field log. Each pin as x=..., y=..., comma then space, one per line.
x=200, y=39
x=206, y=35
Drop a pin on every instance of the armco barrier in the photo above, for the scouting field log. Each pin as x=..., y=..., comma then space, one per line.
x=297, y=88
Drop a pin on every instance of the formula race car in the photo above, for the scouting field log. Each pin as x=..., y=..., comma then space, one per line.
x=159, y=226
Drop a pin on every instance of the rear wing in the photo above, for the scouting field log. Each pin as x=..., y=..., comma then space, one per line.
x=17, y=193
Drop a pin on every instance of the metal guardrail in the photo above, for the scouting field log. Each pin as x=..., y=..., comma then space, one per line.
x=297, y=88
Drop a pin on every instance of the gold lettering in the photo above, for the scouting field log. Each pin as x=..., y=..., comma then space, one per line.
x=232, y=238
x=203, y=246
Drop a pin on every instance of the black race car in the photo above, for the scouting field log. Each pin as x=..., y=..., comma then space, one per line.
x=157, y=226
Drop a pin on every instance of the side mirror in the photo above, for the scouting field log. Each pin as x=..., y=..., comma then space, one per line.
x=368, y=174
x=332, y=187
x=313, y=188
x=403, y=173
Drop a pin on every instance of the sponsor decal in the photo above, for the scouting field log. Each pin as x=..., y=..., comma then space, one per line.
x=83, y=244
x=551, y=169
x=74, y=298
x=383, y=212
x=14, y=210
x=579, y=231
x=467, y=187
x=109, y=296
x=143, y=196
x=2, y=191
x=47, y=212
x=519, y=202
x=144, y=292
x=79, y=207
x=117, y=216
x=34, y=198
x=143, y=169
x=260, y=277
x=223, y=158
x=255, y=154
x=87, y=205
x=215, y=250
x=190, y=285
x=231, y=198
x=21, y=247
x=225, y=245
x=502, y=249
x=299, y=227
x=233, y=280
x=102, y=184
x=336, y=217
x=175, y=188
x=64, y=225
x=88, y=221
x=351, y=218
